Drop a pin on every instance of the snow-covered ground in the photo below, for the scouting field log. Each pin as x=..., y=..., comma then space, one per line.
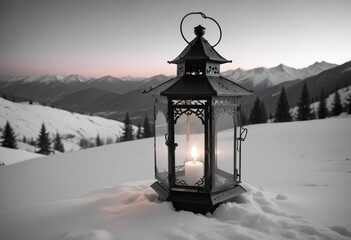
x=26, y=120
x=297, y=174
x=10, y=156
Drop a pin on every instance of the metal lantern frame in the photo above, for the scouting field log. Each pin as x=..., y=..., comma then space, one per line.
x=196, y=98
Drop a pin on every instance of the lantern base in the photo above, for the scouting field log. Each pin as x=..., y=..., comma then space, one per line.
x=197, y=202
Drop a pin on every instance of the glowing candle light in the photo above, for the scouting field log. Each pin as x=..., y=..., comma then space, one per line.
x=194, y=169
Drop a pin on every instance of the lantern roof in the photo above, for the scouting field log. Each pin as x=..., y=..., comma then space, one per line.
x=200, y=86
x=199, y=49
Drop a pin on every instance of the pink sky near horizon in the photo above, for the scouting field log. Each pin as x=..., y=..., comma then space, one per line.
x=137, y=38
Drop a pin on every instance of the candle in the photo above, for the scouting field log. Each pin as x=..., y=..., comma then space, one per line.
x=194, y=171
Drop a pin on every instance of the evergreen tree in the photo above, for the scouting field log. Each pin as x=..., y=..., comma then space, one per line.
x=98, y=141
x=58, y=143
x=43, y=141
x=255, y=112
x=244, y=120
x=147, y=129
x=139, y=133
x=263, y=115
x=24, y=139
x=282, y=111
x=348, y=104
x=128, y=129
x=258, y=113
x=336, y=105
x=304, y=110
x=322, y=108
x=32, y=142
x=8, y=137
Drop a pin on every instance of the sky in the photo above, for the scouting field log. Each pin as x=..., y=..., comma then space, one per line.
x=137, y=38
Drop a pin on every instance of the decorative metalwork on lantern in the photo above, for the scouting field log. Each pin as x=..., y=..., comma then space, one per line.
x=196, y=168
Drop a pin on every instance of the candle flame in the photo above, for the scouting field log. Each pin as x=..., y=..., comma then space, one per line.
x=194, y=153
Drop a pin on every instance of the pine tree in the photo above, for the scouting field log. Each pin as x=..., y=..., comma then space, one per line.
x=32, y=142
x=24, y=139
x=322, y=108
x=139, y=133
x=8, y=137
x=255, y=112
x=98, y=141
x=43, y=141
x=128, y=129
x=147, y=129
x=336, y=105
x=304, y=110
x=58, y=143
x=282, y=111
x=258, y=113
x=244, y=120
x=263, y=115
x=348, y=104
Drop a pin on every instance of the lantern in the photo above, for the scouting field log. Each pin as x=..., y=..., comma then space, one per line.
x=198, y=132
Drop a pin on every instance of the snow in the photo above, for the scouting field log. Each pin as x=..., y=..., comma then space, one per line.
x=297, y=176
x=26, y=120
x=276, y=75
x=10, y=156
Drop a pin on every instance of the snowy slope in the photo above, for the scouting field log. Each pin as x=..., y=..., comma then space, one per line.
x=26, y=121
x=297, y=175
x=10, y=156
x=260, y=78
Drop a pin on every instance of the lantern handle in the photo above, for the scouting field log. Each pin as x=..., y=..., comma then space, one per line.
x=204, y=16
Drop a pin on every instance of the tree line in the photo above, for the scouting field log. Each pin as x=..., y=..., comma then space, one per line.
x=43, y=141
x=283, y=113
x=142, y=132
x=46, y=145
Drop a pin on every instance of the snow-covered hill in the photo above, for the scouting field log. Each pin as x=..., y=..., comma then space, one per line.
x=261, y=78
x=297, y=175
x=26, y=120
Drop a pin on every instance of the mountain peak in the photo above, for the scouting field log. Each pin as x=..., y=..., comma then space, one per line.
x=261, y=77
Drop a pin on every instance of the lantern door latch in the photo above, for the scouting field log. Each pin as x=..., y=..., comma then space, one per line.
x=243, y=133
x=173, y=146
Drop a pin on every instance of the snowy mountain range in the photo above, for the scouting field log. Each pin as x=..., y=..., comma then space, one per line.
x=50, y=88
x=330, y=80
x=261, y=78
x=26, y=120
x=112, y=97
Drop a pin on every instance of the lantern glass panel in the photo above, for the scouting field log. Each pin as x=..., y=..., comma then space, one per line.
x=224, y=169
x=161, y=153
x=189, y=154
